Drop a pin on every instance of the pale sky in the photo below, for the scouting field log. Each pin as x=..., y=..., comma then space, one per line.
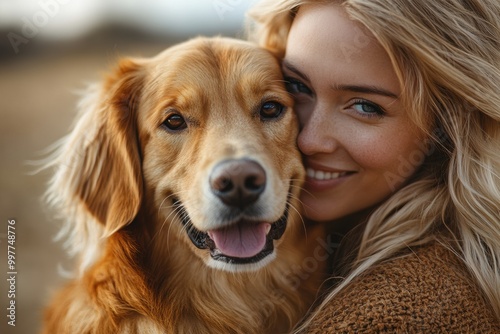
x=72, y=18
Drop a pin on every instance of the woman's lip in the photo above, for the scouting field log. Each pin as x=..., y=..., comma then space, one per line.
x=325, y=179
x=310, y=165
x=324, y=175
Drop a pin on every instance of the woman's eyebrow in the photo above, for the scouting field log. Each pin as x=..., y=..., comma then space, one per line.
x=286, y=64
x=366, y=90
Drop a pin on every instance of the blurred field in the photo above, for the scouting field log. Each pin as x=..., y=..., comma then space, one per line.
x=37, y=106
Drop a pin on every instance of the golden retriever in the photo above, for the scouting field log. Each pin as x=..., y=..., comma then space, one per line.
x=179, y=186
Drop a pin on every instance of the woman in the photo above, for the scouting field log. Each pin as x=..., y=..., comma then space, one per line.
x=399, y=107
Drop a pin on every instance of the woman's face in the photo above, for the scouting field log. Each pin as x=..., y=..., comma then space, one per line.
x=358, y=142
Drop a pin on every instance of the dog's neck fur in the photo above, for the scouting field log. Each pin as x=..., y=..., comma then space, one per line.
x=192, y=291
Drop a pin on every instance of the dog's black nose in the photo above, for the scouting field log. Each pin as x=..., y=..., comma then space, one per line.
x=238, y=182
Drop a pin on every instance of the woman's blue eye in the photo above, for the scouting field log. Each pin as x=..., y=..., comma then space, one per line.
x=296, y=87
x=368, y=109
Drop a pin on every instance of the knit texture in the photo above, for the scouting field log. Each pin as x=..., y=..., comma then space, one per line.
x=426, y=291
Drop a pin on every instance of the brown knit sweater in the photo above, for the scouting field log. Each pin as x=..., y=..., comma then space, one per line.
x=427, y=291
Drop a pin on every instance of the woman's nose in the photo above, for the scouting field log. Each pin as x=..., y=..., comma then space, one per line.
x=316, y=134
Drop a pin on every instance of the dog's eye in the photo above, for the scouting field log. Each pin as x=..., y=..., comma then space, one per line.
x=271, y=110
x=175, y=122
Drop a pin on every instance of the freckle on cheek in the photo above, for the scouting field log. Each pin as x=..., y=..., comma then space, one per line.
x=379, y=157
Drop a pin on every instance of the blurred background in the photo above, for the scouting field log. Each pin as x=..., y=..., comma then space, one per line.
x=49, y=50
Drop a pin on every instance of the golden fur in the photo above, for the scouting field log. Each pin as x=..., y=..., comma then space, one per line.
x=121, y=173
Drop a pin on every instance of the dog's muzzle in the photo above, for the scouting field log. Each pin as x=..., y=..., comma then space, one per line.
x=238, y=184
x=243, y=242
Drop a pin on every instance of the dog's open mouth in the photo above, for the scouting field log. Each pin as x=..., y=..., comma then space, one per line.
x=241, y=243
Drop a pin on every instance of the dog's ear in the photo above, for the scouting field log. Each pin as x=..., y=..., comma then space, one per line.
x=100, y=163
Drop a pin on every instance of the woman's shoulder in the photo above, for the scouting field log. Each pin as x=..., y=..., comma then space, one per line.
x=426, y=290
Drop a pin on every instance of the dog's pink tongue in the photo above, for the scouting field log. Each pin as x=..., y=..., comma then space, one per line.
x=241, y=240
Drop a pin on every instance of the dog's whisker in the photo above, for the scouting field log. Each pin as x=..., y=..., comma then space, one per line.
x=303, y=223
x=172, y=216
x=173, y=195
x=302, y=189
x=173, y=211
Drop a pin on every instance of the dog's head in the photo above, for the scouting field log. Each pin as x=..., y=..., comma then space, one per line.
x=201, y=141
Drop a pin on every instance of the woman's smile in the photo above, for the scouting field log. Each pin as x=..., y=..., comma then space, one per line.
x=321, y=178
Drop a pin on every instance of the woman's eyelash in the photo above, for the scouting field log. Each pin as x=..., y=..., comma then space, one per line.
x=362, y=107
x=367, y=109
x=294, y=86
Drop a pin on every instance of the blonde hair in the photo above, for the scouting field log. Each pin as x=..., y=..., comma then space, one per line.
x=446, y=55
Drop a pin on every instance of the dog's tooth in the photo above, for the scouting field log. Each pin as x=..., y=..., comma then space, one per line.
x=268, y=228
